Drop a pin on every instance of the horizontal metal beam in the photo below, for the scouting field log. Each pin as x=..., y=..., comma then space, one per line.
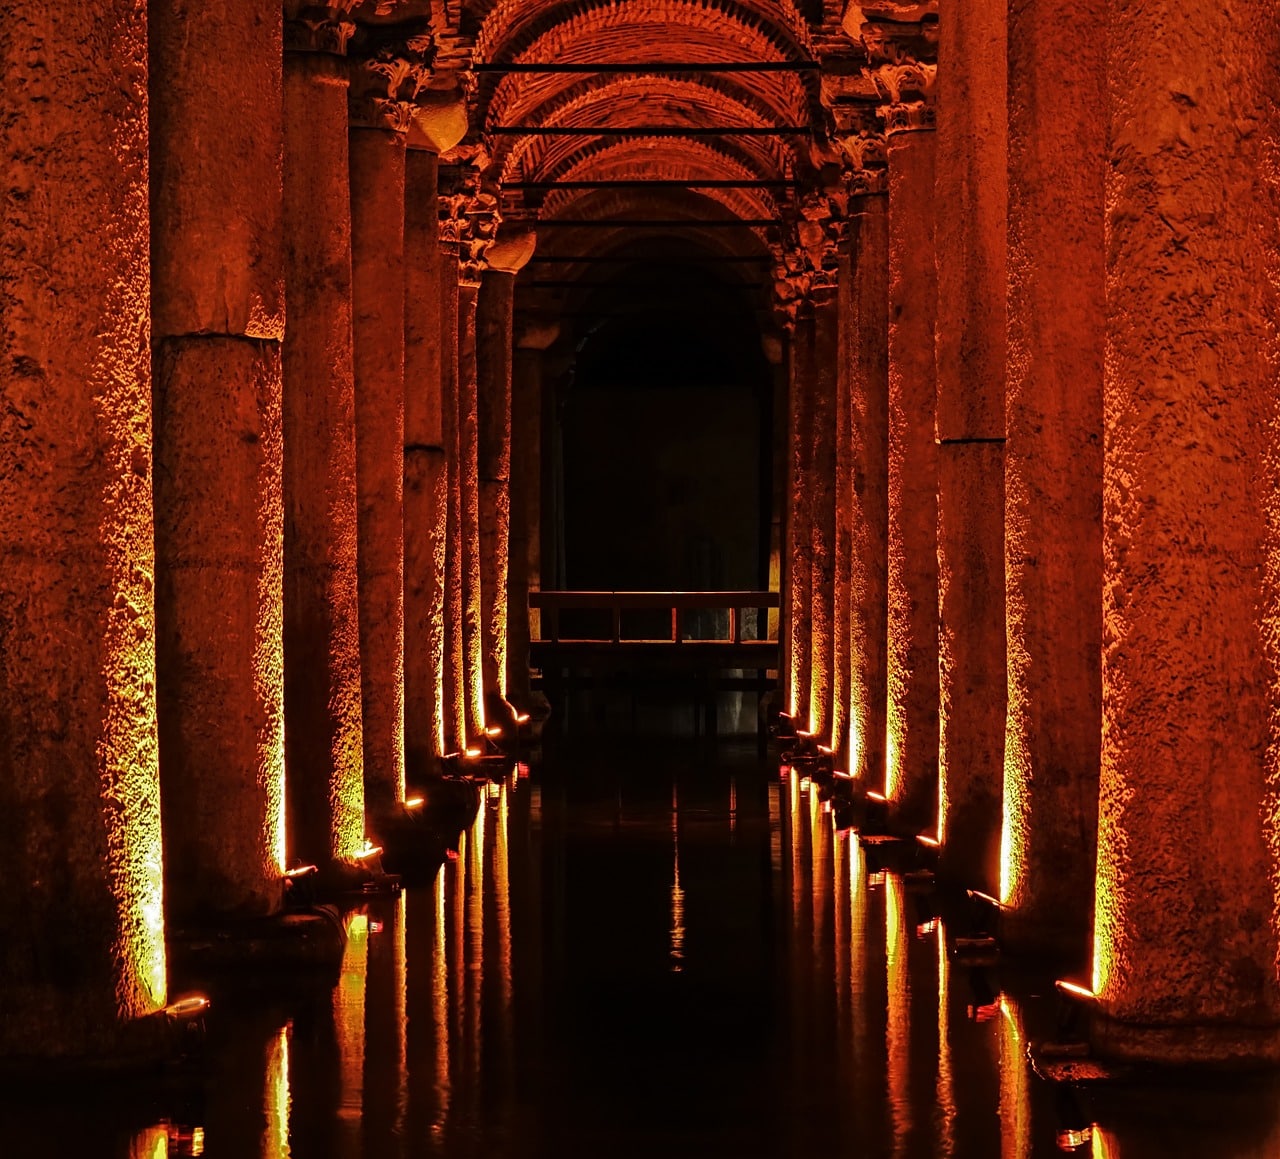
x=657, y=223
x=616, y=284
x=636, y=66
x=656, y=183
x=649, y=131
x=659, y=260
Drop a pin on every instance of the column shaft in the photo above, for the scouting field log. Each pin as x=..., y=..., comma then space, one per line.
x=799, y=530
x=469, y=509
x=455, y=700
x=493, y=371
x=912, y=737
x=425, y=472
x=323, y=743
x=378, y=296
x=842, y=625
x=80, y=843
x=525, y=575
x=972, y=205
x=1185, y=936
x=1053, y=470
x=869, y=495
x=824, y=369
x=217, y=131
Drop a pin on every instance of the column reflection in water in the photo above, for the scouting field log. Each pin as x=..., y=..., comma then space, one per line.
x=1015, y=1087
x=150, y=1143
x=348, y=1019
x=946, y=1085
x=898, y=1030
x=275, y=1139
x=677, y=893
x=385, y=1091
x=475, y=957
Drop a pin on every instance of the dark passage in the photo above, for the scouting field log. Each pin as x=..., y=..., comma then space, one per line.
x=641, y=953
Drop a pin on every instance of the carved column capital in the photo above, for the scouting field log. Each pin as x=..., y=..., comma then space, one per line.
x=907, y=90
x=469, y=220
x=390, y=68
x=321, y=28
x=866, y=162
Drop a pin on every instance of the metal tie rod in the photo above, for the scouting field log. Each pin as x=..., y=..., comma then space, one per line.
x=650, y=131
x=500, y=67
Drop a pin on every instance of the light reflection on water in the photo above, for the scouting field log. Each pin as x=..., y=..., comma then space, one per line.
x=636, y=960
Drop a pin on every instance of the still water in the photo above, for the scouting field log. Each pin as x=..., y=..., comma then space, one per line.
x=653, y=954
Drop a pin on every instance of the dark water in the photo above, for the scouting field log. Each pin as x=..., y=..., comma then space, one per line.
x=644, y=955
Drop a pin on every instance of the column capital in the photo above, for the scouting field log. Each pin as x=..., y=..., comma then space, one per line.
x=469, y=219
x=320, y=28
x=512, y=248
x=908, y=90
x=390, y=68
x=866, y=162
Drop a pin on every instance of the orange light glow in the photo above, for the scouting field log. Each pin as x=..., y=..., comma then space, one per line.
x=1074, y=990
x=276, y=1103
x=872, y=795
x=980, y=896
x=1015, y=1084
x=301, y=871
x=898, y=1026
x=493, y=730
x=931, y=842
x=415, y=803
x=349, y=1019
x=369, y=850
x=522, y=718
x=185, y=1007
x=472, y=753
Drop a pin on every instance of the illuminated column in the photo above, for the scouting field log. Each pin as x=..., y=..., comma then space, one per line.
x=383, y=83
x=1185, y=934
x=1053, y=473
x=425, y=471
x=532, y=340
x=494, y=324
x=321, y=635
x=912, y=669
x=842, y=581
x=217, y=322
x=797, y=568
x=868, y=353
x=454, y=670
x=79, y=787
x=824, y=365
x=478, y=227
x=970, y=347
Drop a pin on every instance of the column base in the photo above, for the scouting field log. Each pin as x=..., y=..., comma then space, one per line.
x=1037, y=938
x=1216, y=1047
x=305, y=941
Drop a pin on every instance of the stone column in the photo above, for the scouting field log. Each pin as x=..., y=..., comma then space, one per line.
x=323, y=741
x=1185, y=936
x=970, y=346
x=824, y=370
x=911, y=743
x=842, y=660
x=1053, y=470
x=384, y=82
x=868, y=353
x=797, y=574
x=494, y=325
x=217, y=131
x=533, y=337
x=425, y=473
x=469, y=501
x=439, y=123
x=79, y=785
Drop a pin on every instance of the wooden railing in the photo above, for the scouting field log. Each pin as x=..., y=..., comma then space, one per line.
x=552, y=603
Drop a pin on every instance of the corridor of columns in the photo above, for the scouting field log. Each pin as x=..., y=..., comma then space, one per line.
x=665, y=575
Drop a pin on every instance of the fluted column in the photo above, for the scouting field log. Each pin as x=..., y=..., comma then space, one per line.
x=217, y=290
x=912, y=670
x=323, y=734
x=80, y=851
x=1185, y=933
x=971, y=201
x=1053, y=466
x=495, y=322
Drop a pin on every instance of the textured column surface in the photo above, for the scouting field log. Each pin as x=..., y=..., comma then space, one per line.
x=493, y=372
x=424, y=473
x=80, y=844
x=1186, y=927
x=970, y=345
x=469, y=507
x=868, y=323
x=842, y=609
x=1053, y=470
x=217, y=130
x=799, y=530
x=912, y=734
x=455, y=671
x=379, y=302
x=321, y=625
x=824, y=369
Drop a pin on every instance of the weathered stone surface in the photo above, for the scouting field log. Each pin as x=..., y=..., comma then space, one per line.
x=869, y=448
x=1053, y=466
x=468, y=397
x=1185, y=933
x=822, y=488
x=323, y=743
x=220, y=662
x=80, y=847
x=798, y=556
x=971, y=202
x=911, y=755
x=379, y=304
x=455, y=672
